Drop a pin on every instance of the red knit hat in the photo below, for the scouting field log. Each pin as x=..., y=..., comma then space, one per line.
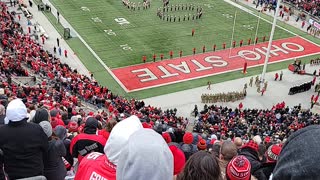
x=273, y=152
x=166, y=136
x=202, y=145
x=178, y=159
x=267, y=139
x=239, y=168
x=251, y=144
x=188, y=138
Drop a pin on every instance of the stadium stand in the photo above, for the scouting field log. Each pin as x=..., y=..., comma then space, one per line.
x=41, y=125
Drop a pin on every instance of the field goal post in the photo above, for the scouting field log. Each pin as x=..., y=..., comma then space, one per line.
x=232, y=36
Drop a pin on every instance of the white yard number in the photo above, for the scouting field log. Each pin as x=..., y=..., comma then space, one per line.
x=228, y=16
x=96, y=19
x=122, y=21
x=209, y=6
x=85, y=9
x=110, y=32
x=248, y=27
x=126, y=47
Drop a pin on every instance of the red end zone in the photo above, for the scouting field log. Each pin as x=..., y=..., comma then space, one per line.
x=144, y=76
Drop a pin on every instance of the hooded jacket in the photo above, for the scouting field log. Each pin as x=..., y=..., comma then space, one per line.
x=27, y=158
x=61, y=132
x=146, y=156
x=23, y=144
x=41, y=115
x=299, y=157
x=85, y=143
x=104, y=166
x=54, y=168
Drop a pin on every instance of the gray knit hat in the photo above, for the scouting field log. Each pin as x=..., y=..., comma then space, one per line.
x=300, y=157
x=47, y=128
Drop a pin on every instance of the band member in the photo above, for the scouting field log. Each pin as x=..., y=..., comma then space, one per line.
x=214, y=47
x=144, y=59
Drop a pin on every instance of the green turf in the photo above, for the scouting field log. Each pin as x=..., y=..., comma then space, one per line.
x=147, y=34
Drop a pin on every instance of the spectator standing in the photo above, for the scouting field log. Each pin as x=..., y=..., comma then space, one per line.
x=65, y=53
x=40, y=115
x=228, y=151
x=25, y=160
x=179, y=159
x=281, y=74
x=270, y=160
x=107, y=130
x=54, y=168
x=61, y=133
x=58, y=42
x=299, y=157
x=276, y=76
x=87, y=142
x=105, y=165
x=250, y=151
x=157, y=165
x=238, y=169
x=201, y=166
x=56, y=118
x=303, y=24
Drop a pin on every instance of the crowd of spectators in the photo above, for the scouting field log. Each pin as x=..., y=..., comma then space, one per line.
x=310, y=6
x=46, y=134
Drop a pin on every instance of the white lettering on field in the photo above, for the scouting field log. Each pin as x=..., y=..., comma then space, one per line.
x=147, y=73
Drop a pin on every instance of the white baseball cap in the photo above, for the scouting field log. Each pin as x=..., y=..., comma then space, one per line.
x=16, y=111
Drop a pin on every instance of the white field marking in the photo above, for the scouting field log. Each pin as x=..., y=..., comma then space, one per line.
x=90, y=49
x=110, y=32
x=126, y=47
x=85, y=8
x=249, y=27
x=209, y=5
x=208, y=75
x=121, y=21
x=191, y=55
x=96, y=19
x=228, y=16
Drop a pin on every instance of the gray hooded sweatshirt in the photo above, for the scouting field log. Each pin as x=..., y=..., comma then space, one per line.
x=146, y=156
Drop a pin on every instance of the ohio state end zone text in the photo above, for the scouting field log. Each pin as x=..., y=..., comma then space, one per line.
x=144, y=76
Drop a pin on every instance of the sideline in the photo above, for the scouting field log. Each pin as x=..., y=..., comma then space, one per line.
x=65, y=23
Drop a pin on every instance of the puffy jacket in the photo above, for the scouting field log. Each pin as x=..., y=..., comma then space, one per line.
x=83, y=144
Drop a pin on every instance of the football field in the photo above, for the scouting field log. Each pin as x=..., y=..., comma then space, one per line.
x=122, y=35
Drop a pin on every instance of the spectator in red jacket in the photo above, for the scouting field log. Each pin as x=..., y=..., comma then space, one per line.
x=106, y=132
x=55, y=119
x=104, y=165
x=87, y=142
